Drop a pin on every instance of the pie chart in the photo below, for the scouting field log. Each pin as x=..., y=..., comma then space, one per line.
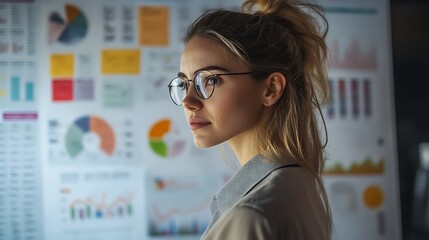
x=89, y=126
x=165, y=140
x=69, y=30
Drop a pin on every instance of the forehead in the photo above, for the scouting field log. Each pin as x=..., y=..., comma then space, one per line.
x=201, y=52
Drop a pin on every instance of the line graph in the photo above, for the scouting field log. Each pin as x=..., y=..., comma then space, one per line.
x=98, y=205
x=102, y=207
x=178, y=205
x=170, y=213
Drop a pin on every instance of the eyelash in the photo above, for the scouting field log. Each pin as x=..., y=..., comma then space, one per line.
x=213, y=79
x=216, y=78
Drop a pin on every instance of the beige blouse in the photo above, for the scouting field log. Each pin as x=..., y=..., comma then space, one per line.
x=266, y=200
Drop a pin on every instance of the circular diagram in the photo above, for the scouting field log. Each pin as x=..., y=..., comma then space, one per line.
x=92, y=126
x=164, y=140
x=70, y=30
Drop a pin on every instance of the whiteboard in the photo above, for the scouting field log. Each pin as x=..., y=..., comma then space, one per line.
x=91, y=143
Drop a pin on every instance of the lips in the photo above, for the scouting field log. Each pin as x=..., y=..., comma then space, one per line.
x=196, y=123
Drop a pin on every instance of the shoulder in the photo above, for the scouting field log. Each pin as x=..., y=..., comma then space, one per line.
x=283, y=188
x=242, y=222
x=289, y=199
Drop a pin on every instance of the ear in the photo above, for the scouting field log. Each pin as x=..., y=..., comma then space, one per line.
x=275, y=85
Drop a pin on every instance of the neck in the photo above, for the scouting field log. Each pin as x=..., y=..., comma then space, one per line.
x=243, y=146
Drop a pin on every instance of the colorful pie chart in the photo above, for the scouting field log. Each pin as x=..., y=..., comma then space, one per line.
x=165, y=140
x=89, y=125
x=70, y=30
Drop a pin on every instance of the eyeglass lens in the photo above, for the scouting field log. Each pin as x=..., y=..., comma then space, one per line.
x=204, y=84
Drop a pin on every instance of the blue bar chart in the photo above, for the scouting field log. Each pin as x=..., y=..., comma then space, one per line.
x=21, y=91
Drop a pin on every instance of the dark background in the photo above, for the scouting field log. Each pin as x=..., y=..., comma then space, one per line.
x=410, y=43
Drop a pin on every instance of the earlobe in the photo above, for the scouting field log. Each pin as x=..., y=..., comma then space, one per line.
x=275, y=86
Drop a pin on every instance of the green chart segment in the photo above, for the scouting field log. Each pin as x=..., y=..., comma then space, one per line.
x=74, y=141
x=159, y=147
x=85, y=125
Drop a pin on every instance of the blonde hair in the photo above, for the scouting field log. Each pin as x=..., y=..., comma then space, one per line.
x=281, y=36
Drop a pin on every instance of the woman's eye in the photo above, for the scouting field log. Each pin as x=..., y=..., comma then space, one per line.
x=212, y=80
x=182, y=85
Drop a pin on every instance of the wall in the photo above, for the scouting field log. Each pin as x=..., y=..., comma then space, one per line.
x=92, y=145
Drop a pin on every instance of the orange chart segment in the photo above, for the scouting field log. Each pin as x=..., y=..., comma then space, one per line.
x=159, y=129
x=71, y=12
x=105, y=132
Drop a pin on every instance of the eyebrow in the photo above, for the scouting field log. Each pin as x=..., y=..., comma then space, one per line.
x=208, y=68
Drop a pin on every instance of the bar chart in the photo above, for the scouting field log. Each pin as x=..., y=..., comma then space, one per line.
x=21, y=90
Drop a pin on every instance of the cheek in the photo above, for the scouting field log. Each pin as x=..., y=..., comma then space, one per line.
x=241, y=110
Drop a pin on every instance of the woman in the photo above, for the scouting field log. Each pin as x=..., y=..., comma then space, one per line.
x=250, y=79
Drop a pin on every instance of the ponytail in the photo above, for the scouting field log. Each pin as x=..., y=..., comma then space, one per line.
x=309, y=28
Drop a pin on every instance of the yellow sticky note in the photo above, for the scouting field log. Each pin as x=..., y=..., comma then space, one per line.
x=154, y=25
x=62, y=65
x=120, y=61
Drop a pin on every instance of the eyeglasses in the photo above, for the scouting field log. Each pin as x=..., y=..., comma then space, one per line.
x=204, y=84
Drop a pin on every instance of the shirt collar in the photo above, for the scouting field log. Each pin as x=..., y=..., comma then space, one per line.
x=249, y=175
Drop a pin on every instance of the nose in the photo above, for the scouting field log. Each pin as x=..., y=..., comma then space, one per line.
x=191, y=101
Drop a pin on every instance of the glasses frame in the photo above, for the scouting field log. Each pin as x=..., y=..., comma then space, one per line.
x=187, y=80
